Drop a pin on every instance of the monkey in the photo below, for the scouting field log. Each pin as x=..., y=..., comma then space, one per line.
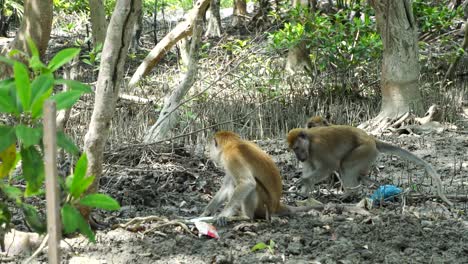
x=316, y=121
x=346, y=149
x=252, y=185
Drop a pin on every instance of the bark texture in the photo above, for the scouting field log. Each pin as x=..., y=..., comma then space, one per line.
x=98, y=21
x=37, y=24
x=400, y=66
x=213, y=28
x=239, y=12
x=169, y=116
x=110, y=79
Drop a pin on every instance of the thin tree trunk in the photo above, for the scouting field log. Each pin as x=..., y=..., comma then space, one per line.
x=214, y=20
x=298, y=56
x=400, y=66
x=36, y=24
x=110, y=79
x=182, y=30
x=168, y=117
x=239, y=12
x=451, y=69
x=70, y=73
x=98, y=21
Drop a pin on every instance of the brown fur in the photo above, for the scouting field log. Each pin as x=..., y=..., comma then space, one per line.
x=346, y=149
x=316, y=121
x=252, y=184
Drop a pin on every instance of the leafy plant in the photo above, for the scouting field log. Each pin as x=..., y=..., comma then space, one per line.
x=262, y=246
x=22, y=98
x=432, y=17
x=93, y=57
x=339, y=40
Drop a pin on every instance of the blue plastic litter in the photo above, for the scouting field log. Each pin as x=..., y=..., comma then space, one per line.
x=386, y=193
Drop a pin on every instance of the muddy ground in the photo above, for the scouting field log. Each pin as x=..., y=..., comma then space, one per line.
x=178, y=185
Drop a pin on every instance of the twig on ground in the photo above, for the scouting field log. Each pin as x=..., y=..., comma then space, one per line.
x=38, y=250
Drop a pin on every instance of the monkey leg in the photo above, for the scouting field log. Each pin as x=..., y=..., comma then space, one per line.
x=250, y=204
x=355, y=164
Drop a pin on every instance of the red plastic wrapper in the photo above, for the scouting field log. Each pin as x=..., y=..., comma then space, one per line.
x=206, y=229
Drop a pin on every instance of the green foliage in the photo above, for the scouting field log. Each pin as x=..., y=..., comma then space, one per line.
x=262, y=246
x=22, y=98
x=433, y=17
x=13, y=8
x=333, y=39
x=93, y=58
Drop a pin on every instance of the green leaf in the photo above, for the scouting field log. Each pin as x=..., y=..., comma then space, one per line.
x=32, y=47
x=79, y=181
x=67, y=144
x=85, y=229
x=7, y=137
x=5, y=215
x=12, y=192
x=101, y=201
x=7, y=102
x=22, y=84
x=78, y=190
x=37, y=107
x=68, y=182
x=66, y=99
x=28, y=136
x=33, y=219
x=74, y=85
x=40, y=86
x=70, y=218
x=259, y=246
x=7, y=60
x=62, y=57
x=33, y=170
x=8, y=160
x=80, y=168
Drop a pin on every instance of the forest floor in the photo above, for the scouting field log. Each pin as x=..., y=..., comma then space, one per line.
x=179, y=185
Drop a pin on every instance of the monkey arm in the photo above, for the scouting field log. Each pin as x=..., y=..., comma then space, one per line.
x=222, y=195
x=242, y=190
x=314, y=174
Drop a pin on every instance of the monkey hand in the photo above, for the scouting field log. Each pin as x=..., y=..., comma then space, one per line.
x=206, y=213
x=222, y=218
x=305, y=185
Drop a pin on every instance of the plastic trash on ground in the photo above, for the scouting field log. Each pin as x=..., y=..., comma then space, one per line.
x=206, y=229
x=385, y=193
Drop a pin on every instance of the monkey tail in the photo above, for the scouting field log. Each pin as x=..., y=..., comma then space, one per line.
x=287, y=210
x=391, y=149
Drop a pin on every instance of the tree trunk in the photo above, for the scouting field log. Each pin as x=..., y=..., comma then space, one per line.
x=182, y=30
x=137, y=30
x=110, y=79
x=400, y=66
x=298, y=56
x=239, y=12
x=36, y=24
x=214, y=20
x=168, y=117
x=98, y=21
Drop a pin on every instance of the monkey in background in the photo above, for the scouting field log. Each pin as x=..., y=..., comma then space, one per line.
x=252, y=185
x=348, y=150
x=316, y=121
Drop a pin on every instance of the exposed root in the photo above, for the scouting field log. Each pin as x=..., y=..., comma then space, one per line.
x=404, y=123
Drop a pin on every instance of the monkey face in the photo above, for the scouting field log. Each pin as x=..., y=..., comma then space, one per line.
x=214, y=151
x=301, y=149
